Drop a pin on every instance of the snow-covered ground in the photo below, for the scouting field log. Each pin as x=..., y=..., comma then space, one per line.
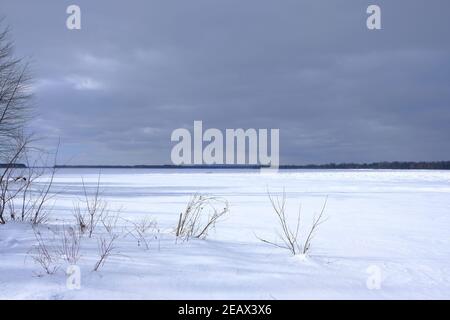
x=392, y=226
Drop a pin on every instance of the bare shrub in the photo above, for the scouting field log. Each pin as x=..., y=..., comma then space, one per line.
x=39, y=211
x=106, y=248
x=24, y=193
x=12, y=210
x=70, y=244
x=290, y=233
x=317, y=221
x=200, y=215
x=95, y=207
x=142, y=230
x=10, y=188
x=93, y=211
x=26, y=200
x=80, y=218
x=45, y=254
x=109, y=220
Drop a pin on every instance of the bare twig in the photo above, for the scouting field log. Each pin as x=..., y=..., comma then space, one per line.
x=105, y=248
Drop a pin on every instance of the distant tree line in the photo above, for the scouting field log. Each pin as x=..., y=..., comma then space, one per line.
x=12, y=165
x=398, y=165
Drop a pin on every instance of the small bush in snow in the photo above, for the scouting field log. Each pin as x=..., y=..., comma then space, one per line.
x=200, y=215
x=70, y=245
x=24, y=194
x=93, y=210
x=143, y=229
x=45, y=253
x=289, y=235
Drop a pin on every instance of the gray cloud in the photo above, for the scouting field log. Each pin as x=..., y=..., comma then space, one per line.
x=115, y=90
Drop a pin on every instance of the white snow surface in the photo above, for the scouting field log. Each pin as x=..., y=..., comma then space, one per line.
x=394, y=222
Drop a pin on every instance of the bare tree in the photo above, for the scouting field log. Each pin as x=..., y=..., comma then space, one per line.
x=15, y=100
x=15, y=93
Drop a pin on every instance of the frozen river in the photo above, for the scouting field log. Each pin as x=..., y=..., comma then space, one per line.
x=387, y=236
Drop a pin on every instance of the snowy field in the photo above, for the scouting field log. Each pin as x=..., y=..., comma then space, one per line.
x=392, y=226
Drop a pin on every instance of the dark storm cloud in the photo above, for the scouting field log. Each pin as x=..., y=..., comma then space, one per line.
x=114, y=91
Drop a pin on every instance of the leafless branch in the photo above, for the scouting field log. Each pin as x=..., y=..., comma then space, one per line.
x=105, y=248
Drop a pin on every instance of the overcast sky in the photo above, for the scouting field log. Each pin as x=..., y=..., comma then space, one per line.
x=114, y=91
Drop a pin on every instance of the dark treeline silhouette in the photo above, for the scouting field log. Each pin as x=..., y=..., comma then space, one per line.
x=164, y=166
x=399, y=165
x=13, y=165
